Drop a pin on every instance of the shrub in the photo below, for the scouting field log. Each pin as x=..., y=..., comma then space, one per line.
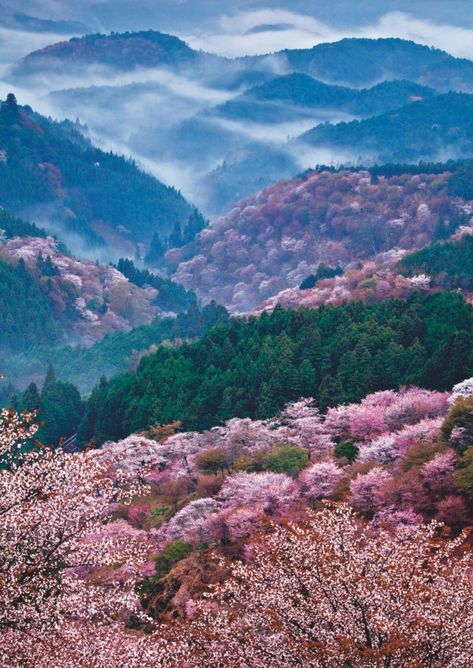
x=285, y=459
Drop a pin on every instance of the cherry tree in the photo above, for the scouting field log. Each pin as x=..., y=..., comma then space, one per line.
x=305, y=427
x=273, y=491
x=366, y=487
x=332, y=593
x=54, y=538
x=462, y=390
x=320, y=480
x=190, y=522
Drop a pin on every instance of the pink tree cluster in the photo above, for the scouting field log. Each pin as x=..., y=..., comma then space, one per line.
x=385, y=411
x=393, y=445
x=377, y=279
x=333, y=593
x=55, y=540
x=265, y=246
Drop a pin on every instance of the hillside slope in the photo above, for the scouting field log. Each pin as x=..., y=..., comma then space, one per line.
x=277, y=238
x=51, y=173
x=430, y=129
x=364, y=62
x=252, y=368
x=287, y=97
x=124, y=51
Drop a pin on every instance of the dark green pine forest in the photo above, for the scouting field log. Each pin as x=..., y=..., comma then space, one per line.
x=450, y=264
x=253, y=367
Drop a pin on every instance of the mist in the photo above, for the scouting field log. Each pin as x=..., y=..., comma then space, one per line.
x=170, y=120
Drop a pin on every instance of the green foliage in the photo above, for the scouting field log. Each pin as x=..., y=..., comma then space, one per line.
x=181, y=235
x=171, y=555
x=59, y=406
x=164, y=562
x=414, y=132
x=464, y=473
x=346, y=450
x=171, y=295
x=285, y=459
x=323, y=271
x=460, y=416
x=460, y=184
x=15, y=227
x=26, y=315
x=450, y=264
x=115, y=353
x=252, y=367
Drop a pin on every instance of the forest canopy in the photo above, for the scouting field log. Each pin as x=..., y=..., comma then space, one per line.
x=251, y=368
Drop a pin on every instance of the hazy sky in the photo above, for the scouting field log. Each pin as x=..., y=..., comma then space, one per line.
x=237, y=27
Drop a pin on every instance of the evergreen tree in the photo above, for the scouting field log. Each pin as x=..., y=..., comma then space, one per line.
x=156, y=251
x=30, y=399
x=175, y=238
x=195, y=224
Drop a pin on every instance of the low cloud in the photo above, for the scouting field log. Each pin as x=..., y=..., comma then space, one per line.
x=238, y=35
x=15, y=44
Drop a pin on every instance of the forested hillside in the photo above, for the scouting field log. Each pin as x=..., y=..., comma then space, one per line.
x=444, y=265
x=449, y=264
x=275, y=239
x=58, y=406
x=250, y=369
x=269, y=101
x=61, y=301
x=364, y=62
x=146, y=48
x=422, y=131
x=117, y=352
x=51, y=173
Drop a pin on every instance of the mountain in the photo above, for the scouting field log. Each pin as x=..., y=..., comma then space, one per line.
x=200, y=121
x=350, y=62
x=121, y=51
x=49, y=172
x=62, y=306
x=275, y=239
x=83, y=299
x=287, y=97
x=440, y=126
x=365, y=62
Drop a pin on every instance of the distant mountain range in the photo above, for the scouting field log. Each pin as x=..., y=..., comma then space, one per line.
x=350, y=62
x=221, y=129
x=287, y=97
x=366, y=62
